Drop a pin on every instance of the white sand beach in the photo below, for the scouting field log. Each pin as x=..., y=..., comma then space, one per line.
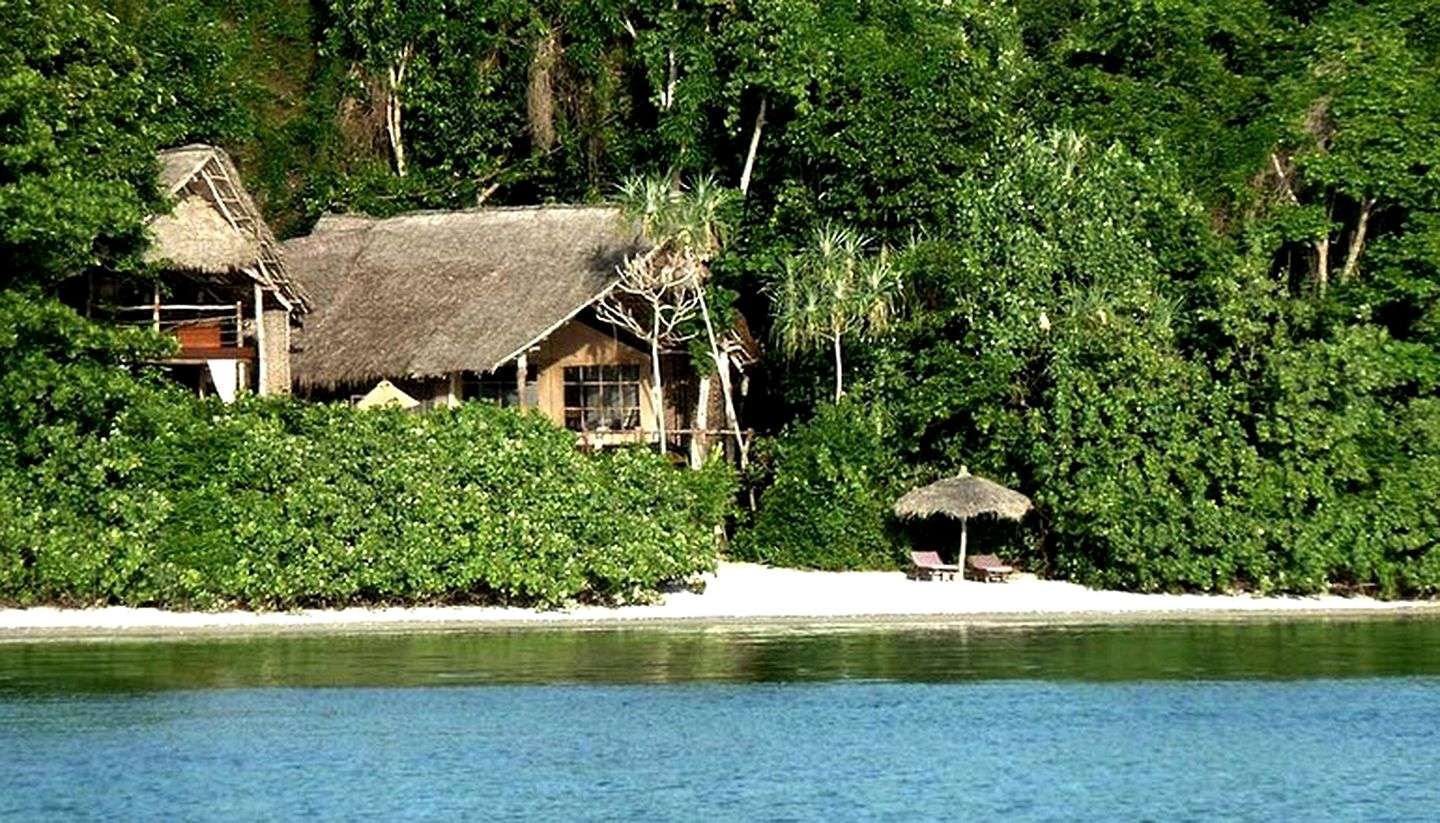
x=738, y=593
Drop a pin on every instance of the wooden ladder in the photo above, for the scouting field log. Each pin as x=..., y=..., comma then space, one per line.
x=227, y=197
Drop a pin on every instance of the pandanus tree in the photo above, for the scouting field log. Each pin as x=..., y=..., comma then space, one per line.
x=831, y=289
x=661, y=290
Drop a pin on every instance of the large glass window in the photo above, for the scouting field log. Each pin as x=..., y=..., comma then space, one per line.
x=602, y=398
x=498, y=387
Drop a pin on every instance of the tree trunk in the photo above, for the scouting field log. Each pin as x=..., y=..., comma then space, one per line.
x=722, y=366
x=754, y=148
x=485, y=195
x=839, y=372
x=1320, y=262
x=672, y=78
x=699, y=443
x=540, y=91
x=667, y=98
x=1357, y=240
x=657, y=393
x=395, y=81
x=1322, y=265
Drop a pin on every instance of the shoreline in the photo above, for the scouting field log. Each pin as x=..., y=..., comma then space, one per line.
x=738, y=597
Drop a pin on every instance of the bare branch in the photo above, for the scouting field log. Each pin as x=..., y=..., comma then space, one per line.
x=1285, y=184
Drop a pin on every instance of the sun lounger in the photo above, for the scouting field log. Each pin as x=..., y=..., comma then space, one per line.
x=988, y=567
x=927, y=566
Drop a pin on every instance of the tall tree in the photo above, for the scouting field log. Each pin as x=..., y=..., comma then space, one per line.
x=774, y=54
x=1360, y=160
x=382, y=37
x=899, y=99
x=832, y=289
x=77, y=164
x=196, y=59
x=1198, y=78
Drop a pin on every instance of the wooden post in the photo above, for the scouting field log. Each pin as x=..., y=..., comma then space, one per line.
x=522, y=375
x=155, y=310
x=262, y=371
x=452, y=390
x=964, y=539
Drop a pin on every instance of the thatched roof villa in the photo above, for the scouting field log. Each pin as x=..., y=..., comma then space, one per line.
x=492, y=303
x=224, y=291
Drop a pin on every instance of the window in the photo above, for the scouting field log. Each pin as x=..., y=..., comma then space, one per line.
x=602, y=398
x=498, y=387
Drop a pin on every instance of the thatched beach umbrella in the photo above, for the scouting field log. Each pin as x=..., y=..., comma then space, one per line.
x=962, y=497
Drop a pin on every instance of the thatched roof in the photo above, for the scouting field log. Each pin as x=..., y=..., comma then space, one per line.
x=962, y=497
x=196, y=237
x=179, y=166
x=215, y=229
x=429, y=293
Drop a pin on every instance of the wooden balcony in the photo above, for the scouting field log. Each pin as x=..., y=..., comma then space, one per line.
x=204, y=331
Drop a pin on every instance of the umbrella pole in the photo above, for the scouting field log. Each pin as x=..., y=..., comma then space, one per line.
x=964, y=539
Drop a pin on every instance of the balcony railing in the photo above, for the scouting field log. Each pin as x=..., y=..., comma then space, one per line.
x=195, y=326
x=677, y=441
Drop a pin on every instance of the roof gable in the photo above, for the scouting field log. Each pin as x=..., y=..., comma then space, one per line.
x=215, y=227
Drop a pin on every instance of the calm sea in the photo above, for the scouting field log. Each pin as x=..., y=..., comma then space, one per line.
x=1306, y=721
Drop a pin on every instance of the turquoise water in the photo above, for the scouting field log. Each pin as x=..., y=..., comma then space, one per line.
x=1293, y=721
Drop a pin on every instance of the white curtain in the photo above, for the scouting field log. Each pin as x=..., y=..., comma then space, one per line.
x=226, y=376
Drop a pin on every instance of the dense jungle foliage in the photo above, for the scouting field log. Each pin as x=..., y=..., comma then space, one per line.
x=1170, y=268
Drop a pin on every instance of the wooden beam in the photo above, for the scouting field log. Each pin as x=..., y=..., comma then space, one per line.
x=181, y=307
x=262, y=370
x=200, y=354
x=522, y=373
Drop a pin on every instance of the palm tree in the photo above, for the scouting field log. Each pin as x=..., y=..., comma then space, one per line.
x=832, y=289
x=664, y=287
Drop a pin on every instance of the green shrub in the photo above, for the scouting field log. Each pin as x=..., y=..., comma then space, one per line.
x=134, y=493
x=833, y=481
